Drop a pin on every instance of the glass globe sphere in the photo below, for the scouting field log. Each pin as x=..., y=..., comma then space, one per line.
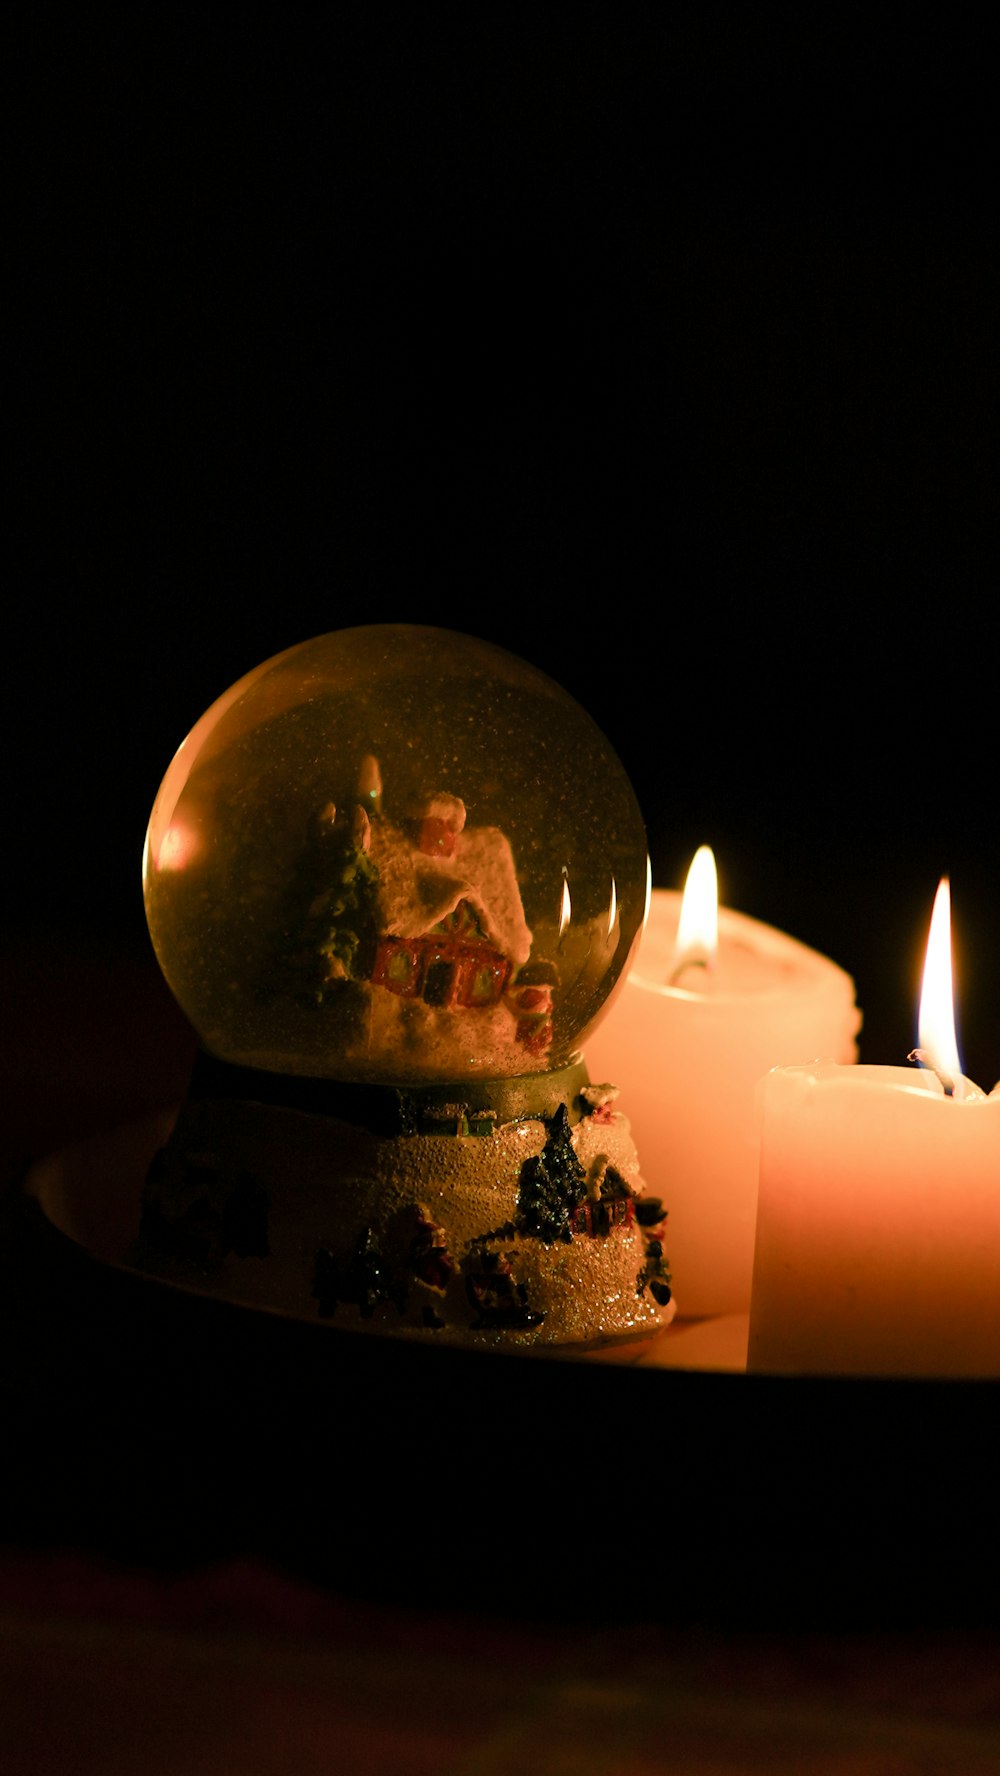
x=395, y=854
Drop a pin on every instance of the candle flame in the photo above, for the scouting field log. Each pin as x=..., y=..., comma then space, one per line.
x=566, y=910
x=698, y=927
x=936, y=1021
x=612, y=907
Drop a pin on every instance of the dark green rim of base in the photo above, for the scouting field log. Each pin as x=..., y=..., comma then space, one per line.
x=391, y=1110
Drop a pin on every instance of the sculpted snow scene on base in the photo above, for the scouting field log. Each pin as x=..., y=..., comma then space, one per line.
x=538, y=1231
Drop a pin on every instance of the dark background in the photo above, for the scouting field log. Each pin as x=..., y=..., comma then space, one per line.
x=656, y=344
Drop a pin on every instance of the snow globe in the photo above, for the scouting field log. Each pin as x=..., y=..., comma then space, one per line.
x=394, y=877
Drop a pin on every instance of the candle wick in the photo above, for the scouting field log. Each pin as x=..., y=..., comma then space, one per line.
x=685, y=963
x=922, y=1059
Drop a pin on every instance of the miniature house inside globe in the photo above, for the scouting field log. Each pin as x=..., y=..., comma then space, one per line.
x=395, y=854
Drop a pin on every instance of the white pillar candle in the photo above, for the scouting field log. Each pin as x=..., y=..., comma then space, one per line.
x=878, y=1229
x=687, y=1057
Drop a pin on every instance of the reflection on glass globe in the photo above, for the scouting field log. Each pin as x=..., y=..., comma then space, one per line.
x=395, y=854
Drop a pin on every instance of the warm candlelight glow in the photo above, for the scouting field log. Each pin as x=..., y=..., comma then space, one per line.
x=877, y=1245
x=177, y=847
x=936, y=1023
x=688, y=1050
x=698, y=928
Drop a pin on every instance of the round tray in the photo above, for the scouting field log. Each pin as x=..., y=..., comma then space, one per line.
x=159, y=1424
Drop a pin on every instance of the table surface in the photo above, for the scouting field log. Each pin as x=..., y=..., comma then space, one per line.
x=241, y=1670
x=235, y=1663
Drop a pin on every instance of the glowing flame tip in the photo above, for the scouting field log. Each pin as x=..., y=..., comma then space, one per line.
x=698, y=926
x=936, y=1020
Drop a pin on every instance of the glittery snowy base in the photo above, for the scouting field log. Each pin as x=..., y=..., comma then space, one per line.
x=424, y=1235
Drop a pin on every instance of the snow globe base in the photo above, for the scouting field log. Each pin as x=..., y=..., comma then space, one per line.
x=505, y=1212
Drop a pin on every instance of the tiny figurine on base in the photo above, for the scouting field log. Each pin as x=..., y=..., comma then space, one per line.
x=394, y=877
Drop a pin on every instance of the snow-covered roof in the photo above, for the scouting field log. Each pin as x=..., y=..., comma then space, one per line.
x=416, y=890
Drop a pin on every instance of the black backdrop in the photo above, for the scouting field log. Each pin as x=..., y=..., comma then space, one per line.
x=657, y=344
